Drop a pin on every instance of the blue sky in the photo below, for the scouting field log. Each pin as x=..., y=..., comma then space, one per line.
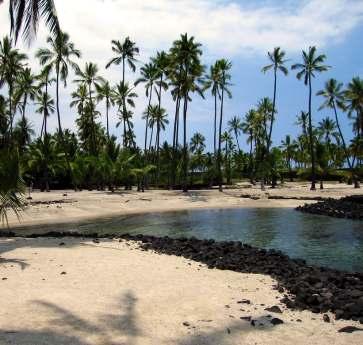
x=241, y=31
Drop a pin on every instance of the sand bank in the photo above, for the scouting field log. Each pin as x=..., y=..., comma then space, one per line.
x=113, y=293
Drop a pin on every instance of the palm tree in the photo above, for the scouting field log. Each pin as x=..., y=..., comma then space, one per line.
x=354, y=98
x=45, y=106
x=248, y=128
x=185, y=54
x=125, y=52
x=149, y=75
x=311, y=65
x=25, y=15
x=89, y=76
x=25, y=88
x=197, y=142
x=289, y=147
x=104, y=92
x=224, y=67
x=227, y=140
x=235, y=126
x=277, y=64
x=123, y=96
x=302, y=120
x=11, y=62
x=162, y=63
x=59, y=57
x=158, y=117
x=327, y=129
x=212, y=81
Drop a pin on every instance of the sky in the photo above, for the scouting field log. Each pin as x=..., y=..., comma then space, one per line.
x=241, y=31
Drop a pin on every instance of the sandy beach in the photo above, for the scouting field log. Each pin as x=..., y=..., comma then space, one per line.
x=113, y=293
x=74, y=291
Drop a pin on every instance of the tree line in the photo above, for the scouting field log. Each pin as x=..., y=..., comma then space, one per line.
x=92, y=158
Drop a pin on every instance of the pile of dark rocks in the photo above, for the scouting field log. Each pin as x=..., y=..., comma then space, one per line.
x=347, y=207
x=317, y=289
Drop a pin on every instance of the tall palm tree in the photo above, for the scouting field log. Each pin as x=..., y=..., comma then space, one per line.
x=45, y=106
x=302, y=120
x=89, y=76
x=25, y=88
x=125, y=53
x=212, y=81
x=11, y=62
x=185, y=54
x=104, y=92
x=149, y=75
x=248, y=128
x=25, y=15
x=277, y=64
x=124, y=96
x=162, y=63
x=224, y=66
x=312, y=64
x=235, y=126
x=159, y=118
x=58, y=58
x=354, y=99
x=289, y=147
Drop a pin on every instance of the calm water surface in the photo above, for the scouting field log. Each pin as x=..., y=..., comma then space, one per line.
x=320, y=240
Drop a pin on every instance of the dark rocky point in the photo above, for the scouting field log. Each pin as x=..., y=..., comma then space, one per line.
x=348, y=207
x=276, y=321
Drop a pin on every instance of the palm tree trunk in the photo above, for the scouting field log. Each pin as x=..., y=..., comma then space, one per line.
x=355, y=180
x=215, y=123
x=107, y=107
x=158, y=153
x=93, y=149
x=273, y=112
x=185, y=149
x=235, y=134
x=219, y=158
x=151, y=137
x=147, y=119
x=175, y=133
x=10, y=91
x=312, y=153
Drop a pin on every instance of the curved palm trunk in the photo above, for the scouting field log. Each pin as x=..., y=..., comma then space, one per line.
x=24, y=134
x=219, y=158
x=355, y=180
x=312, y=153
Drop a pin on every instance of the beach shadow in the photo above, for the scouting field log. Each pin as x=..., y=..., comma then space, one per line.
x=69, y=329
x=21, y=263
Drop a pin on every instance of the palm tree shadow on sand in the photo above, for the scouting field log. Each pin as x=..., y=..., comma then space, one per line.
x=111, y=329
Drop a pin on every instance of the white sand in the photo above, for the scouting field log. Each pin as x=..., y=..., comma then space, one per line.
x=88, y=205
x=114, y=294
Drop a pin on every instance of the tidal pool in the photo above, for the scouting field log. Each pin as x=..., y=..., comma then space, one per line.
x=320, y=240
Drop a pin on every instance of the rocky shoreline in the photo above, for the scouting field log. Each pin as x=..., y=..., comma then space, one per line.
x=348, y=207
x=313, y=288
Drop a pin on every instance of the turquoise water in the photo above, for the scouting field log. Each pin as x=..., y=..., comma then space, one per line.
x=320, y=240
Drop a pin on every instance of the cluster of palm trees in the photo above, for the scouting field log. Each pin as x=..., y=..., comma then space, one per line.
x=92, y=157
